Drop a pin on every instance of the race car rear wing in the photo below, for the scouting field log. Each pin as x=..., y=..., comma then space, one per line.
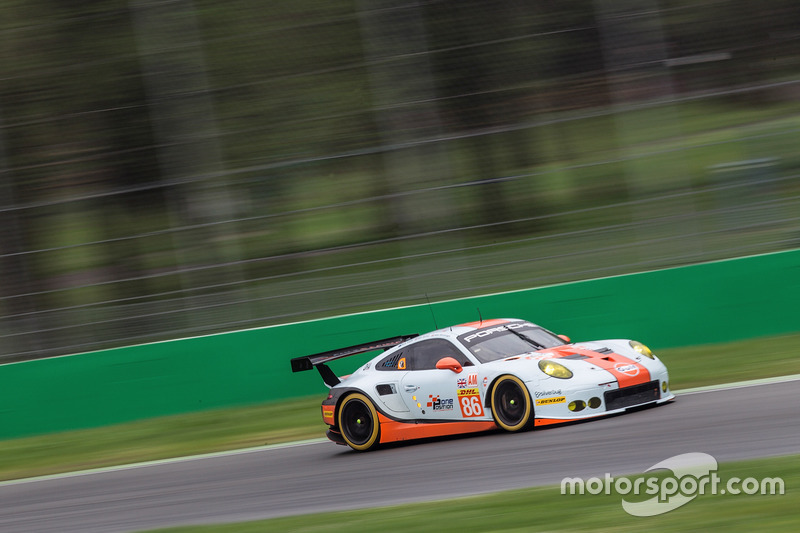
x=307, y=362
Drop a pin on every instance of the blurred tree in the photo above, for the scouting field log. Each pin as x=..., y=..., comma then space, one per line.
x=324, y=112
x=486, y=65
x=76, y=126
x=76, y=97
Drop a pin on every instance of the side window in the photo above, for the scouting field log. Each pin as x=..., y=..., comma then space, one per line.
x=424, y=355
x=396, y=361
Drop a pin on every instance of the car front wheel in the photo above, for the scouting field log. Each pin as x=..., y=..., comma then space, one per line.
x=358, y=422
x=511, y=404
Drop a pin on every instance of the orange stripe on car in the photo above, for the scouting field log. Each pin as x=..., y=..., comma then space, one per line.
x=627, y=371
x=484, y=323
x=552, y=421
x=393, y=431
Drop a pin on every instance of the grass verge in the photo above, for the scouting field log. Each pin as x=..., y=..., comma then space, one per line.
x=546, y=509
x=228, y=429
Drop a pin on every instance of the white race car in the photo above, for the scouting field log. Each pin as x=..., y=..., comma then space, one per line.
x=505, y=373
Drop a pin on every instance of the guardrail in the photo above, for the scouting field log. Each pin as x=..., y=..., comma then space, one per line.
x=705, y=303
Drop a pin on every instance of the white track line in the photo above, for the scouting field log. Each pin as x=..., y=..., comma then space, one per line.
x=739, y=384
x=157, y=462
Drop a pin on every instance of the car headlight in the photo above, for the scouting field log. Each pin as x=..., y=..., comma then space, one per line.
x=642, y=349
x=555, y=370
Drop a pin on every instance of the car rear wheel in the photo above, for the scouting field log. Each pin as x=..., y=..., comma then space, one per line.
x=511, y=404
x=358, y=422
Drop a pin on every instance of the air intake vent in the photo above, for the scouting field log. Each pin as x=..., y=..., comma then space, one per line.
x=385, y=388
x=630, y=396
x=576, y=356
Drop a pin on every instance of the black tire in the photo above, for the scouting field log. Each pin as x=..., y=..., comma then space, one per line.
x=358, y=422
x=511, y=404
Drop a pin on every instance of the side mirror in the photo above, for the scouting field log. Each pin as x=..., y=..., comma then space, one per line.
x=448, y=363
x=564, y=338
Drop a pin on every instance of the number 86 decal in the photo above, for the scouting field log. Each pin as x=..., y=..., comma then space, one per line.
x=470, y=403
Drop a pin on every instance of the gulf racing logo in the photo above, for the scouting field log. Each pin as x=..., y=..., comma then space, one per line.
x=628, y=369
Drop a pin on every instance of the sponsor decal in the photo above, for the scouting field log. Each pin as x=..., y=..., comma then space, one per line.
x=485, y=382
x=401, y=364
x=439, y=404
x=543, y=393
x=628, y=369
x=469, y=381
x=552, y=400
x=470, y=402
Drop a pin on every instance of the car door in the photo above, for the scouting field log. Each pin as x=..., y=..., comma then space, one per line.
x=431, y=393
x=391, y=370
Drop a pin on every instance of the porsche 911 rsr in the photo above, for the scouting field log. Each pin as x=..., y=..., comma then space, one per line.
x=505, y=373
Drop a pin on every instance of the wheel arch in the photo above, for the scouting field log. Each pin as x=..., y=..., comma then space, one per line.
x=373, y=406
x=340, y=396
x=490, y=389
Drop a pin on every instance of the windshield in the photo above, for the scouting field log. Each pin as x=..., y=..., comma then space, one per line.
x=515, y=338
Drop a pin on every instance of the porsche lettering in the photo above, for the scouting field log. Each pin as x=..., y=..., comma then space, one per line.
x=492, y=331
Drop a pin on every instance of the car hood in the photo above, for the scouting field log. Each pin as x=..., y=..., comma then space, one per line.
x=627, y=370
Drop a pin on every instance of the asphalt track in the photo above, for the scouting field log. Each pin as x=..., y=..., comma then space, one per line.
x=732, y=424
